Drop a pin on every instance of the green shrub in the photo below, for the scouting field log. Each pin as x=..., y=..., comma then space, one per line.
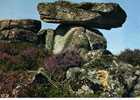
x=130, y=56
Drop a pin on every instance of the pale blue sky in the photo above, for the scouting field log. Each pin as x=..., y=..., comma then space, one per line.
x=118, y=39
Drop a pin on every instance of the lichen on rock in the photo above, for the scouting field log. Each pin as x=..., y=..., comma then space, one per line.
x=69, y=61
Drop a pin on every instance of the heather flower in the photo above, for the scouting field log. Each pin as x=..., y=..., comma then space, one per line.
x=30, y=52
x=51, y=64
x=4, y=56
x=69, y=58
x=64, y=60
x=13, y=60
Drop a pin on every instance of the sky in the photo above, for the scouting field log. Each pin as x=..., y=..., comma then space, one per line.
x=127, y=36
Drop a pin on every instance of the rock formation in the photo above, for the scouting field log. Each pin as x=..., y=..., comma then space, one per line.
x=19, y=30
x=99, y=15
x=70, y=61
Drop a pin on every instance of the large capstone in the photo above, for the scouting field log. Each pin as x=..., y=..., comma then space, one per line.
x=99, y=15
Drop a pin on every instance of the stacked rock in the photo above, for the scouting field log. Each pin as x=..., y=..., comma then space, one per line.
x=18, y=37
x=78, y=24
x=78, y=30
x=77, y=59
x=19, y=30
x=100, y=15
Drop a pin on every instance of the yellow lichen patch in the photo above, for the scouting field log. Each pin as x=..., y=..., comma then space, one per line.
x=102, y=75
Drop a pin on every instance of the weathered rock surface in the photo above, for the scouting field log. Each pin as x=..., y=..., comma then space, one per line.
x=14, y=35
x=73, y=37
x=111, y=78
x=78, y=37
x=23, y=84
x=27, y=24
x=19, y=30
x=129, y=77
x=9, y=83
x=99, y=15
x=70, y=61
x=46, y=39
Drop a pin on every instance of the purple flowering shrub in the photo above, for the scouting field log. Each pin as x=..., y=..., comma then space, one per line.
x=64, y=60
x=4, y=56
x=20, y=56
x=51, y=63
x=24, y=56
x=69, y=58
x=32, y=57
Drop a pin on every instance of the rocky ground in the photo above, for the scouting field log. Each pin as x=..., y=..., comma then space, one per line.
x=70, y=61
